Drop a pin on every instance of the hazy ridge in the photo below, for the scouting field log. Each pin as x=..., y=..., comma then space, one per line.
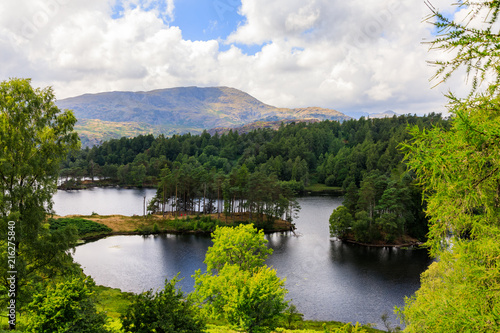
x=177, y=110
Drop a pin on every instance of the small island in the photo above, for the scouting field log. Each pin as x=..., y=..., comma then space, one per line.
x=91, y=227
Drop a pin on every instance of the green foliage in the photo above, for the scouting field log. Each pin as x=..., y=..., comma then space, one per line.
x=262, y=171
x=66, y=307
x=292, y=315
x=250, y=300
x=164, y=311
x=347, y=328
x=237, y=286
x=459, y=170
x=82, y=225
x=294, y=152
x=243, y=246
x=384, y=208
x=462, y=288
x=34, y=137
x=114, y=303
x=474, y=41
x=199, y=224
x=341, y=221
x=331, y=180
x=362, y=227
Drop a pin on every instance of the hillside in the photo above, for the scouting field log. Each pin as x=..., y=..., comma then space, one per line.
x=179, y=110
x=385, y=114
x=247, y=128
x=94, y=131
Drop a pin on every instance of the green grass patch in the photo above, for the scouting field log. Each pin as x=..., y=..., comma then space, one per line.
x=84, y=227
x=322, y=188
x=307, y=326
x=113, y=302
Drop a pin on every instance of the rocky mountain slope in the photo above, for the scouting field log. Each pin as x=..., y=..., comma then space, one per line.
x=180, y=110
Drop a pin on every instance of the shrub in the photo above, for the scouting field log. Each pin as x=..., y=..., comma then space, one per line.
x=331, y=181
x=66, y=307
x=164, y=311
x=82, y=225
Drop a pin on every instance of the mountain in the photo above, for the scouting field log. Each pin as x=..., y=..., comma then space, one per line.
x=181, y=110
x=357, y=114
x=385, y=114
x=275, y=125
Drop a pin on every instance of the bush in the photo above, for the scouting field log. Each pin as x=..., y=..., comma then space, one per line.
x=66, y=307
x=164, y=311
x=292, y=315
x=331, y=181
x=82, y=225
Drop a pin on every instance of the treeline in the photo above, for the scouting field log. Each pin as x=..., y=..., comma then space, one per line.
x=383, y=208
x=190, y=188
x=327, y=152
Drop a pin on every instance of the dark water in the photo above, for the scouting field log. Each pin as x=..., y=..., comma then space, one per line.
x=327, y=280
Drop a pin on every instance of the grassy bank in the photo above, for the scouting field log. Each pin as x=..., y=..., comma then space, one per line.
x=114, y=302
x=323, y=189
x=96, y=226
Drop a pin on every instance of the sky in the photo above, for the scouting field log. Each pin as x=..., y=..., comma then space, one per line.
x=354, y=55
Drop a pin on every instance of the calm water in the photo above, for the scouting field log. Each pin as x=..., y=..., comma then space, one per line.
x=327, y=280
x=103, y=201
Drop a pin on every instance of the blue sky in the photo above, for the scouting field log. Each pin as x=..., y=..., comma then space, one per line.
x=200, y=20
x=206, y=20
x=210, y=20
x=352, y=55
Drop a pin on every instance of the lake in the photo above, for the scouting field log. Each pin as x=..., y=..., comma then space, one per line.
x=103, y=201
x=326, y=279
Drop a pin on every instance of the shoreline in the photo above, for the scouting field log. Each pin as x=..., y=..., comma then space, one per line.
x=312, y=190
x=152, y=225
x=174, y=225
x=411, y=244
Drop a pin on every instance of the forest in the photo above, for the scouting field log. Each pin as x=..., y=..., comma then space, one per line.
x=262, y=171
x=328, y=152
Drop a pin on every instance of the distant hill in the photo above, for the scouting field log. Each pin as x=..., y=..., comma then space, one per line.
x=385, y=114
x=357, y=114
x=177, y=110
x=275, y=125
x=94, y=131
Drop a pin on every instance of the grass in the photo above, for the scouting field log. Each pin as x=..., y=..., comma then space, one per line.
x=105, y=225
x=320, y=188
x=114, y=302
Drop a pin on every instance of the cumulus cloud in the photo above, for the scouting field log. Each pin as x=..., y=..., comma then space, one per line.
x=347, y=55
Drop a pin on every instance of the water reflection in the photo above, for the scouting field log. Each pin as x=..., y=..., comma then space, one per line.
x=327, y=280
x=103, y=201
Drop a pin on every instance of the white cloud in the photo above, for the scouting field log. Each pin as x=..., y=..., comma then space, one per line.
x=347, y=55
